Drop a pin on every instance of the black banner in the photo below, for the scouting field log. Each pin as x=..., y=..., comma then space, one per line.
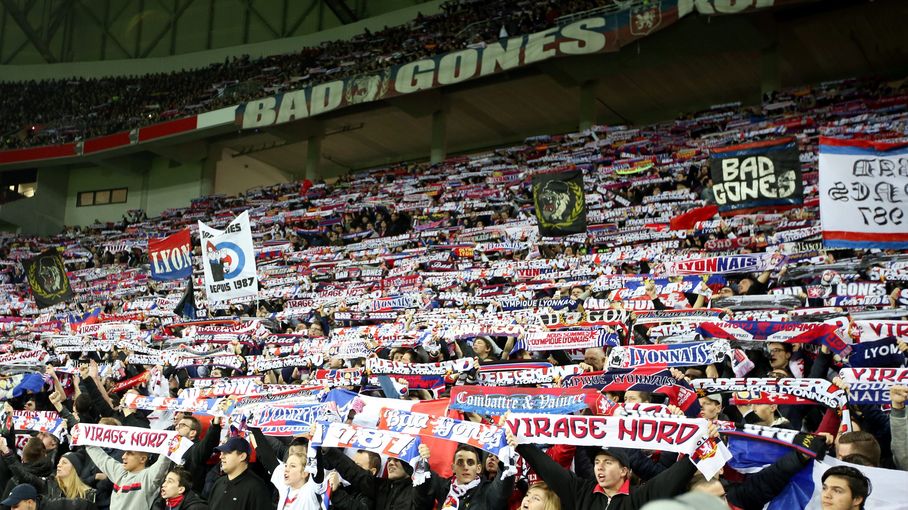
x=47, y=279
x=560, y=203
x=757, y=175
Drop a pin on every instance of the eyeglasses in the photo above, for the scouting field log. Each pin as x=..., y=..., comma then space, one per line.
x=467, y=462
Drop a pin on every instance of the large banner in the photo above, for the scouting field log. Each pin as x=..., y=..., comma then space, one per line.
x=229, y=260
x=171, y=256
x=862, y=194
x=757, y=175
x=573, y=36
x=47, y=278
x=560, y=203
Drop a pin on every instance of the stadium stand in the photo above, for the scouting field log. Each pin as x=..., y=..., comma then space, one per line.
x=77, y=109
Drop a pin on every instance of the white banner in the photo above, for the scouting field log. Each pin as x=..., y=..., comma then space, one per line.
x=861, y=189
x=228, y=259
x=161, y=442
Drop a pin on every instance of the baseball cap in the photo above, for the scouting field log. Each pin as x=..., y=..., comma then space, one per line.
x=618, y=454
x=20, y=493
x=234, y=444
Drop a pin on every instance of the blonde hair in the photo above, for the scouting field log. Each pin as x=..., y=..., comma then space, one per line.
x=552, y=501
x=72, y=486
x=109, y=421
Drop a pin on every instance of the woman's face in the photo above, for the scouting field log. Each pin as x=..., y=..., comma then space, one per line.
x=534, y=500
x=64, y=468
x=293, y=471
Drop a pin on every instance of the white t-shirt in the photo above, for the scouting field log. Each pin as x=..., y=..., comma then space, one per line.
x=304, y=498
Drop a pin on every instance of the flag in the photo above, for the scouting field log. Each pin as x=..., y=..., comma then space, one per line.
x=687, y=220
x=757, y=175
x=186, y=307
x=90, y=317
x=861, y=190
x=47, y=279
x=560, y=203
x=229, y=260
x=171, y=257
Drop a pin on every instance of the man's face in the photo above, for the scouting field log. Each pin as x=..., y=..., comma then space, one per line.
x=184, y=428
x=836, y=495
x=134, y=461
x=744, y=286
x=709, y=408
x=778, y=356
x=633, y=397
x=171, y=486
x=231, y=462
x=28, y=504
x=466, y=467
x=491, y=465
x=594, y=357
x=49, y=440
x=609, y=472
x=726, y=292
x=766, y=412
x=395, y=470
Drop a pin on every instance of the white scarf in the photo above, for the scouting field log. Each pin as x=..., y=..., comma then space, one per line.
x=456, y=492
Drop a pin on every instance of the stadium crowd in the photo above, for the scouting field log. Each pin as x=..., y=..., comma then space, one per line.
x=424, y=290
x=59, y=111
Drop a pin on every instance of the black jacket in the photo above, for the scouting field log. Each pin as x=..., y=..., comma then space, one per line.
x=488, y=495
x=384, y=493
x=348, y=498
x=245, y=492
x=190, y=502
x=196, y=457
x=577, y=493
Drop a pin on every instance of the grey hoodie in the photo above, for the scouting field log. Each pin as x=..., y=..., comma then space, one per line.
x=131, y=490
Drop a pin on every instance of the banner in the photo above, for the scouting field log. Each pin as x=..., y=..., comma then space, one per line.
x=47, y=279
x=560, y=203
x=491, y=401
x=750, y=263
x=565, y=340
x=228, y=260
x=171, y=257
x=861, y=187
x=404, y=447
x=285, y=421
x=513, y=374
x=675, y=434
x=817, y=390
x=757, y=175
x=644, y=378
x=876, y=353
x=669, y=355
x=750, y=333
x=160, y=442
x=485, y=437
x=379, y=366
x=891, y=375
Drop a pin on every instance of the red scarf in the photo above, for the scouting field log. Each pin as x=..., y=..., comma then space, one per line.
x=175, y=502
